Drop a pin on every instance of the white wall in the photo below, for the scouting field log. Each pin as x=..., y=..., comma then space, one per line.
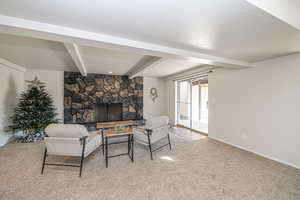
x=258, y=109
x=12, y=82
x=152, y=109
x=54, y=85
x=170, y=95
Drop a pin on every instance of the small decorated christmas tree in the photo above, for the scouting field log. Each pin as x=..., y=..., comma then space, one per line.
x=34, y=111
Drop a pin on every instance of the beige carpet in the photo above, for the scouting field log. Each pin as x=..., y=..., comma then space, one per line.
x=196, y=168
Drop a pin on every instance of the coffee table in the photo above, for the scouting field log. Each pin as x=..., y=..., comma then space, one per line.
x=112, y=130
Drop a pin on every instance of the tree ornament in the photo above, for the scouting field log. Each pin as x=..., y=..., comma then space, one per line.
x=35, y=83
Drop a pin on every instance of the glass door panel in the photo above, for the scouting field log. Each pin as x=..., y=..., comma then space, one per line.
x=204, y=103
x=184, y=104
x=200, y=106
x=195, y=105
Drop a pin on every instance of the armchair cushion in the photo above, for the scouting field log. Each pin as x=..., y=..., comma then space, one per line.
x=140, y=136
x=156, y=122
x=66, y=130
x=65, y=140
x=93, y=142
x=72, y=146
x=159, y=127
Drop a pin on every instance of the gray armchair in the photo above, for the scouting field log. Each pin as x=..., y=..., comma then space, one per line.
x=155, y=129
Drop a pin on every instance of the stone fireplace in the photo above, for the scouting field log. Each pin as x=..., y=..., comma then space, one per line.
x=99, y=97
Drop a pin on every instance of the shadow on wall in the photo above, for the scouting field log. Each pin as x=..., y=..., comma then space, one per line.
x=10, y=101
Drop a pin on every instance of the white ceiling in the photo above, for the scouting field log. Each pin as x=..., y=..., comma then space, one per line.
x=49, y=55
x=103, y=61
x=287, y=10
x=165, y=67
x=35, y=53
x=232, y=28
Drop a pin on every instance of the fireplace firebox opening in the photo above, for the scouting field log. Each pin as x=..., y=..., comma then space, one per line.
x=104, y=112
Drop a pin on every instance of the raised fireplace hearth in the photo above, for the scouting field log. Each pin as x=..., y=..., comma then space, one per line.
x=98, y=98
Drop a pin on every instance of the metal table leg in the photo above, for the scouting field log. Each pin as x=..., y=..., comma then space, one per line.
x=106, y=151
x=102, y=142
x=132, y=148
x=129, y=145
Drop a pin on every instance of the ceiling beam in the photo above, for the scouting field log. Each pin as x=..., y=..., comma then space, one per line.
x=195, y=71
x=77, y=58
x=142, y=64
x=19, y=26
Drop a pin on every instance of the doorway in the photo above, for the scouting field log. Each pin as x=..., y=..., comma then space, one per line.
x=192, y=104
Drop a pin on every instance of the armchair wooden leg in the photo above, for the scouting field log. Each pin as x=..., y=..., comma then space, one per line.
x=44, y=160
x=169, y=141
x=82, y=157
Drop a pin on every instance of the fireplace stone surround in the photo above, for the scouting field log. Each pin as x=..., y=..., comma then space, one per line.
x=83, y=94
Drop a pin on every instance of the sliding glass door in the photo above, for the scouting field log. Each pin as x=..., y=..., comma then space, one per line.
x=192, y=104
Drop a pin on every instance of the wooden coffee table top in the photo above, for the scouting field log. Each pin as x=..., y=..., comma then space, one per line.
x=114, y=132
x=114, y=124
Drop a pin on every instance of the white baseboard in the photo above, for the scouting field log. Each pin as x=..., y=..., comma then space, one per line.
x=5, y=138
x=260, y=154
